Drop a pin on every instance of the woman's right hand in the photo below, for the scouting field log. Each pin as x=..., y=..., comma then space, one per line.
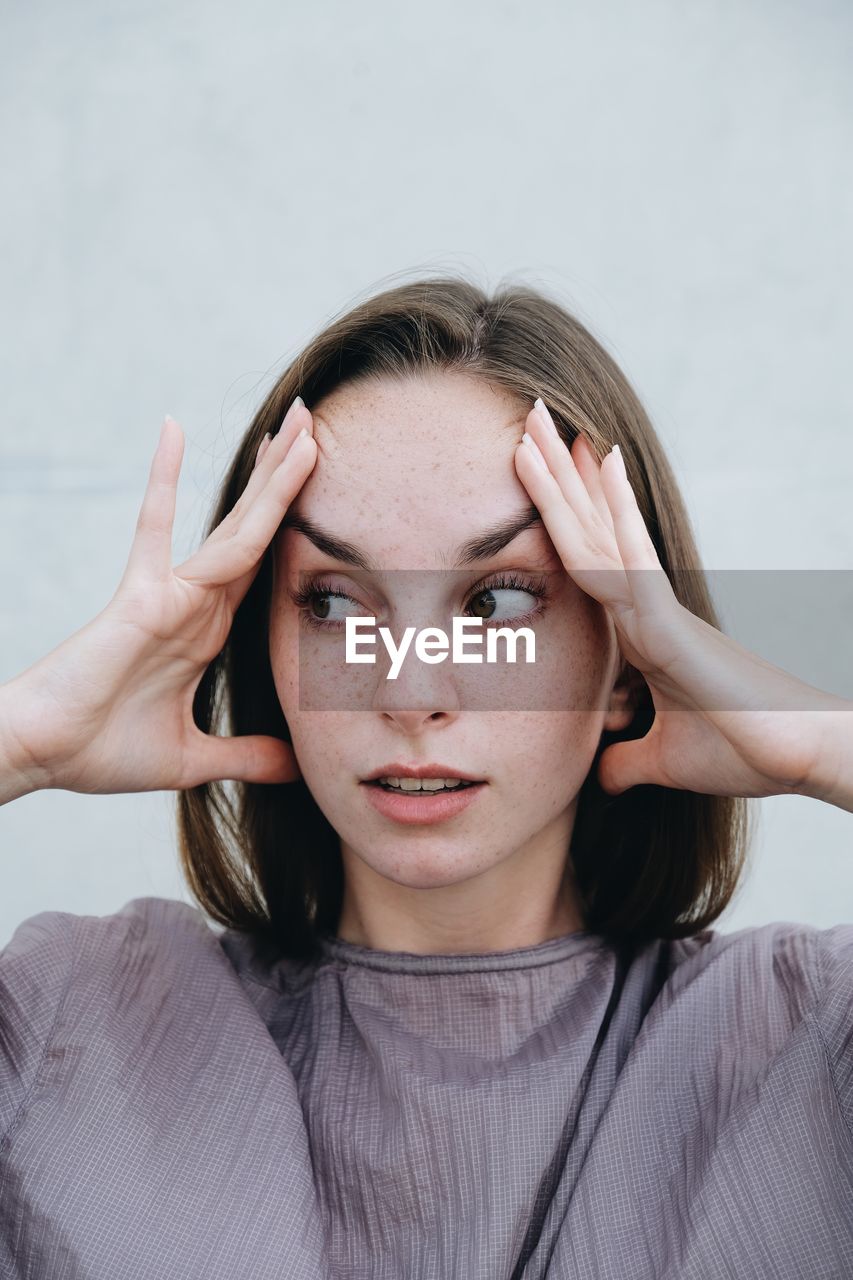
x=110, y=709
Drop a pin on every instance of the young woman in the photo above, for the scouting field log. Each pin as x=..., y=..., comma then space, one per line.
x=450, y=1005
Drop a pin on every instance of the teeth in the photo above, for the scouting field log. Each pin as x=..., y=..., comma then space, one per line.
x=422, y=784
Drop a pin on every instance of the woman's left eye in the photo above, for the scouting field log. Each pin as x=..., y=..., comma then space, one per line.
x=516, y=603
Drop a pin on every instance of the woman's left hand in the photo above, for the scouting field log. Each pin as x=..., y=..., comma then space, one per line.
x=726, y=721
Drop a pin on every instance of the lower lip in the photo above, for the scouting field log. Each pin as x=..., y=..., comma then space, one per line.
x=419, y=807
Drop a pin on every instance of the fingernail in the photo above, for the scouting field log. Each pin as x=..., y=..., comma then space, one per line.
x=535, y=450
x=539, y=405
x=296, y=403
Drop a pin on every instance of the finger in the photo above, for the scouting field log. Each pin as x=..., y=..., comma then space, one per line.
x=541, y=426
x=650, y=586
x=224, y=560
x=262, y=448
x=151, y=550
x=594, y=566
x=589, y=466
x=238, y=588
x=630, y=764
x=245, y=758
x=635, y=544
x=297, y=417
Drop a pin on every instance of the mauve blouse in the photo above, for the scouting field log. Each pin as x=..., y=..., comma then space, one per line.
x=172, y=1107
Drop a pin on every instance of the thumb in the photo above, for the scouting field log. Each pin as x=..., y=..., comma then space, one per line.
x=629, y=764
x=244, y=758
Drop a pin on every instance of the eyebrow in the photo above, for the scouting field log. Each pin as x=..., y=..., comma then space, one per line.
x=485, y=544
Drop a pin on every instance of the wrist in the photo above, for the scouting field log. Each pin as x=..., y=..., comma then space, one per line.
x=20, y=770
x=831, y=777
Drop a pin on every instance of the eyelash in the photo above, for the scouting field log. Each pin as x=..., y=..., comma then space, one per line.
x=303, y=597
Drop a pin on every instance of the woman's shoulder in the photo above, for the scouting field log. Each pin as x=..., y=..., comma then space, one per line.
x=803, y=961
x=54, y=954
x=63, y=970
x=785, y=975
x=87, y=979
x=789, y=944
x=48, y=945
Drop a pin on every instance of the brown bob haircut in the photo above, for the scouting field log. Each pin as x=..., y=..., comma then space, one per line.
x=652, y=862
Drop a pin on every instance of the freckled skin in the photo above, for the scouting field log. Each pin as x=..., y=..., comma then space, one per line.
x=407, y=470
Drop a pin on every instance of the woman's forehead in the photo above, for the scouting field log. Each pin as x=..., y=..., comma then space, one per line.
x=378, y=494
x=436, y=408
x=409, y=442
x=414, y=466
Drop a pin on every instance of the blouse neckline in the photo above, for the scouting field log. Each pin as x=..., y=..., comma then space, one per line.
x=530, y=957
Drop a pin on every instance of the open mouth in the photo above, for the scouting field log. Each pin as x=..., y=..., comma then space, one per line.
x=413, y=801
x=421, y=790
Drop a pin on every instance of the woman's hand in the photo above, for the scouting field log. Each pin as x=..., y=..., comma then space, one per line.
x=726, y=722
x=110, y=709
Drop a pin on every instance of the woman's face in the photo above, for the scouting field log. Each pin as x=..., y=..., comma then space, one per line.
x=408, y=472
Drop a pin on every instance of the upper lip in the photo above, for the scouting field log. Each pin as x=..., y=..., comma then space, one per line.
x=420, y=771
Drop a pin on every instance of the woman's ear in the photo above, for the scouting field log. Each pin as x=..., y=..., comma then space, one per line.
x=624, y=697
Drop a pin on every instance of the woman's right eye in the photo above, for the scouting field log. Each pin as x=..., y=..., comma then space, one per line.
x=327, y=619
x=315, y=604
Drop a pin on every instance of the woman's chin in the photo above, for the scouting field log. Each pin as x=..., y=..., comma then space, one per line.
x=427, y=870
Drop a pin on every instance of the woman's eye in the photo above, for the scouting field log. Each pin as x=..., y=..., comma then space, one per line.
x=508, y=601
x=320, y=606
x=519, y=603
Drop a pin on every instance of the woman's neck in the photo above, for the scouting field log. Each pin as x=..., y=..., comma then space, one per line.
x=526, y=899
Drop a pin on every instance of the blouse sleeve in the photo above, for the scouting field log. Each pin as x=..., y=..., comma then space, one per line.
x=35, y=974
x=835, y=1010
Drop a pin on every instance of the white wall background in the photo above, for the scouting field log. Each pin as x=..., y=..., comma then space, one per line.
x=192, y=189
